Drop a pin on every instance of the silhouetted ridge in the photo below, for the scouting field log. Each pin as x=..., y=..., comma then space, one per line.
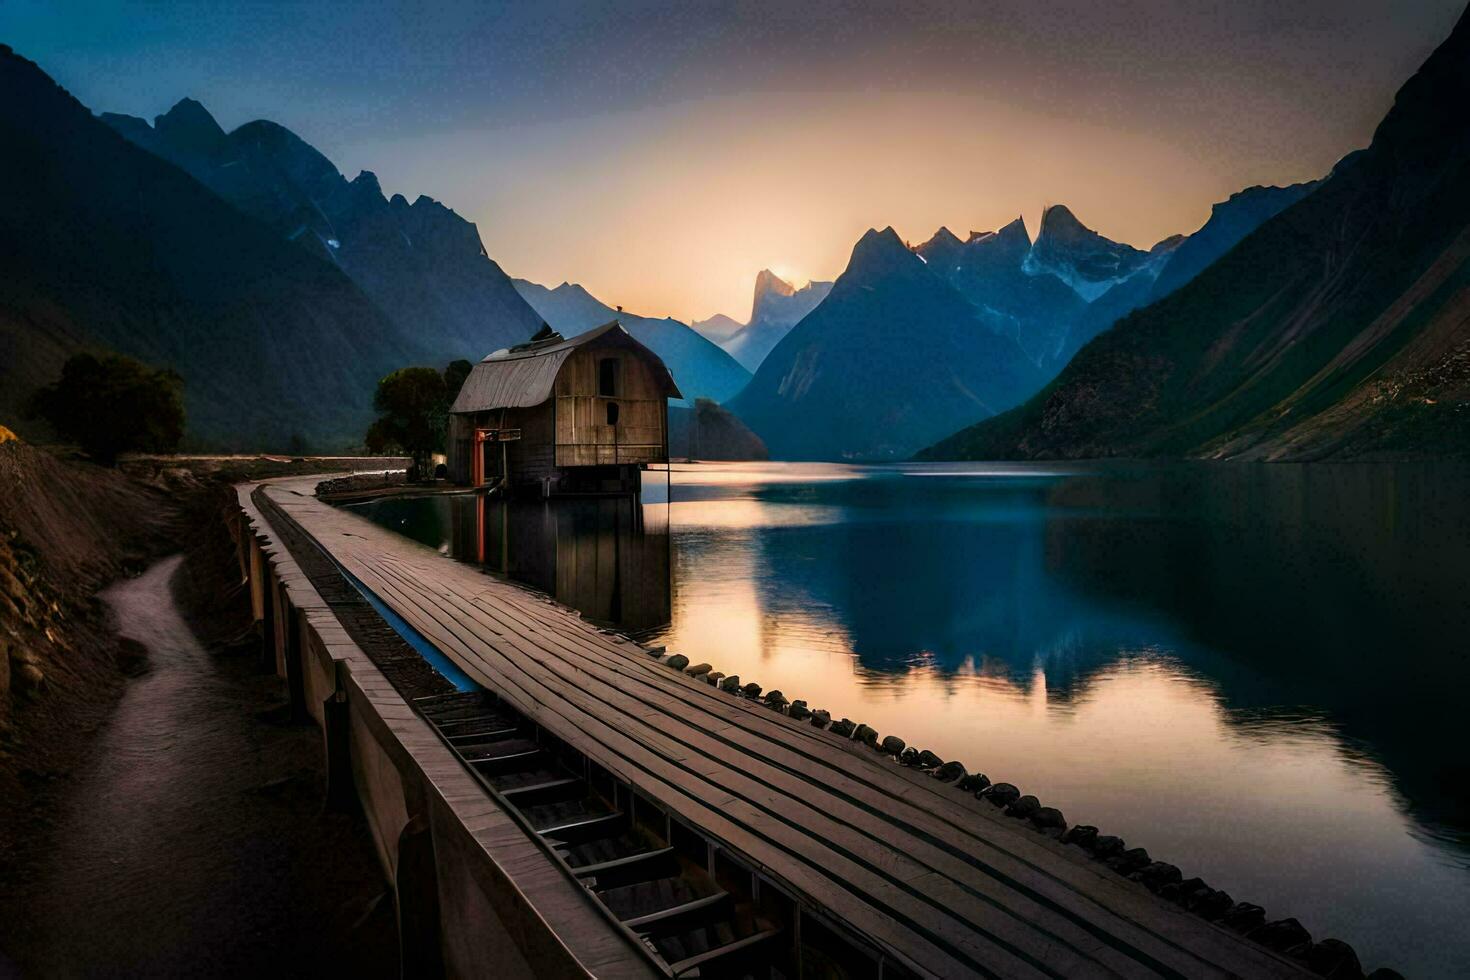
x=108, y=246
x=1336, y=328
x=421, y=263
x=767, y=282
x=190, y=127
x=1229, y=222
x=1058, y=223
x=893, y=352
x=878, y=252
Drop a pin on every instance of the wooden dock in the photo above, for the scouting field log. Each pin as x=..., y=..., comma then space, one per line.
x=941, y=883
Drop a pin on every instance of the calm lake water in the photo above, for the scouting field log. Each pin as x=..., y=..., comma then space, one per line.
x=1259, y=673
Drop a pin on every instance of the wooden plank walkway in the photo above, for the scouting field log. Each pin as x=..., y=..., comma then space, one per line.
x=940, y=881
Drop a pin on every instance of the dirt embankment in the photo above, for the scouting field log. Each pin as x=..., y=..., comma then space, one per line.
x=66, y=530
x=158, y=809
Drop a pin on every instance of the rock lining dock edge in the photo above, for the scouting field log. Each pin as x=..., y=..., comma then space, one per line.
x=929, y=869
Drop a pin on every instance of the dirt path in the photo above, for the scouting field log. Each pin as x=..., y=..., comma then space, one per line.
x=192, y=842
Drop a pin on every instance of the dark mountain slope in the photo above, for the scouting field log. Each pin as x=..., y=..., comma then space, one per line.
x=1229, y=222
x=701, y=368
x=708, y=431
x=892, y=357
x=1341, y=327
x=103, y=244
x=421, y=263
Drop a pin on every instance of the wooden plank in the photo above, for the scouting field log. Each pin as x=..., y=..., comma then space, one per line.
x=945, y=896
x=937, y=876
x=514, y=866
x=809, y=831
x=740, y=947
x=723, y=815
x=798, y=788
x=1130, y=895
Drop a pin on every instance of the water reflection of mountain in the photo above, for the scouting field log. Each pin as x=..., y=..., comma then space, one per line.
x=1337, y=591
x=606, y=557
x=943, y=574
x=1339, y=587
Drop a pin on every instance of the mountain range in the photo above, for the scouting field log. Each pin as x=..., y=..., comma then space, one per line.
x=1320, y=319
x=1085, y=260
x=1339, y=327
x=700, y=367
x=421, y=263
x=105, y=245
x=1034, y=295
x=776, y=308
x=1037, y=309
x=892, y=355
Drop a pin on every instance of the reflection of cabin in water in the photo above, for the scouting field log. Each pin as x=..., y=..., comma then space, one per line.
x=583, y=415
x=607, y=557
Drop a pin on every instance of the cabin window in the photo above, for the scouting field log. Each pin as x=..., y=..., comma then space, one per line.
x=608, y=371
x=612, y=413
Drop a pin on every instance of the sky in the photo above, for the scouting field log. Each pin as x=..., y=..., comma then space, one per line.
x=661, y=154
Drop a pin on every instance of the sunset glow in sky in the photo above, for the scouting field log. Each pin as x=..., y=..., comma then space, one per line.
x=662, y=154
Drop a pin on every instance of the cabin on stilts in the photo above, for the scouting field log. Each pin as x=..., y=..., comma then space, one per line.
x=554, y=416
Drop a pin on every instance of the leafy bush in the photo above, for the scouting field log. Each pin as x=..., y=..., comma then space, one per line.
x=109, y=404
x=413, y=411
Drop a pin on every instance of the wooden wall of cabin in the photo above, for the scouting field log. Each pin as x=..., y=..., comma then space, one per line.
x=457, y=447
x=529, y=458
x=584, y=436
x=532, y=457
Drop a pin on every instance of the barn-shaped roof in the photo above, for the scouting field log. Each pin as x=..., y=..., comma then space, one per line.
x=525, y=374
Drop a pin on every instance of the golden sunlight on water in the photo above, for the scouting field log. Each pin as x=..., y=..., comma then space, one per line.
x=1175, y=655
x=1277, y=806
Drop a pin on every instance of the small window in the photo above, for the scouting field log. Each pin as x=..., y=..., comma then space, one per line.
x=612, y=413
x=607, y=377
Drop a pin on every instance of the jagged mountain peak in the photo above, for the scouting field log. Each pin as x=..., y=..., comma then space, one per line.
x=1085, y=260
x=297, y=159
x=1016, y=229
x=568, y=288
x=1230, y=221
x=885, y=238
x=768, y=283
x=1058, y=223
x=189, y=124
x=878, y=248
x=942, y=250
x=942, y=237
x=367, y=179
x=1335, y=328
x=190, y=130
x=174, y=276
x=893, y=332
x=420, y=262
x=1013, y=233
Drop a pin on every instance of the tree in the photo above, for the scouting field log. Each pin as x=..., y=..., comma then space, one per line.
x=413, y=411
x=110, y=404
x=454, y=377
